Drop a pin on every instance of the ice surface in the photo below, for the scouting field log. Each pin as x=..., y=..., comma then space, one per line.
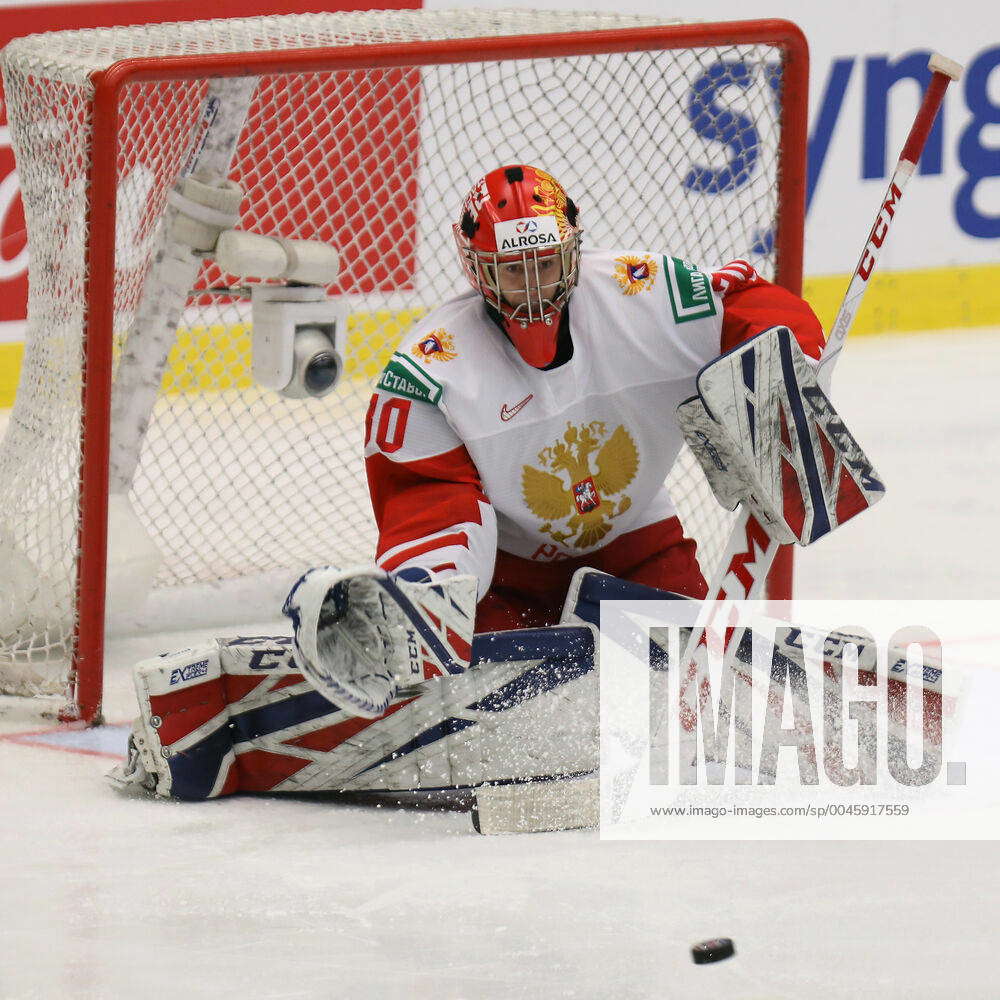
x=926, y=408
x=266, y=898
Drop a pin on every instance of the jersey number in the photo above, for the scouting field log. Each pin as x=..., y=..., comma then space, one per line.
x=390, y=427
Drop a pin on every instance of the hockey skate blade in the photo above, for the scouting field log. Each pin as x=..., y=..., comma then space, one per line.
x=538, y=806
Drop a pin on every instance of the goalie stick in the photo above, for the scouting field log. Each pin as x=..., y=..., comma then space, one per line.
x=750, y=551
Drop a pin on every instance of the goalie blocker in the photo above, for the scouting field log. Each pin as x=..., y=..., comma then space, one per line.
x=767, y=436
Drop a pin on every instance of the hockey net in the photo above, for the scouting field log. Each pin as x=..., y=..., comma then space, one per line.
x=687, y=140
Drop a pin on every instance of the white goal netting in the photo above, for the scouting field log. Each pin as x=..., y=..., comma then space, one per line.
x=676, y=150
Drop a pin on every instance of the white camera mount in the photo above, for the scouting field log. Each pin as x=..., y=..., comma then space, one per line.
x=299, y=336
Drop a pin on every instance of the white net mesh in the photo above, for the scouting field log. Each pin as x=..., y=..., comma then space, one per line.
x=673, y=150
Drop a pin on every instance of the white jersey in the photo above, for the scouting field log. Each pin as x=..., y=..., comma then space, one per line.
x=470, y=449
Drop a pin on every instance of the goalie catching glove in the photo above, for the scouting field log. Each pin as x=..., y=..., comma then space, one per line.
x=362, y=635
x=766, y=435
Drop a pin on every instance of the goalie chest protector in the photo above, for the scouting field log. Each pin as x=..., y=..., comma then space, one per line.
x=574, y=456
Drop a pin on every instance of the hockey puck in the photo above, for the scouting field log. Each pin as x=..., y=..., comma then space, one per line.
x=712, y=951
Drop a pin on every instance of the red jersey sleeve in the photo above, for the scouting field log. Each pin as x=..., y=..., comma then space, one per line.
x=752, y=305
x=426, y=492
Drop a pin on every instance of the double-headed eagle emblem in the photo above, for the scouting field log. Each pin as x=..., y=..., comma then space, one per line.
x=573, y=491
x=438, y=345
x=634, y=274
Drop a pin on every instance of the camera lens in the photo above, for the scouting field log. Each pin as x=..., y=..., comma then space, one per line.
x=321, y=372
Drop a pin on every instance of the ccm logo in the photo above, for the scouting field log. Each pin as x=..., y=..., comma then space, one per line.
x=190, y=672
x=877, y=236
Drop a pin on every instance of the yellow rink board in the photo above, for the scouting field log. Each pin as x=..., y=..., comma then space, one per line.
x=905, y=301
x=218, y=357
x=10, y=369
x=207, y=358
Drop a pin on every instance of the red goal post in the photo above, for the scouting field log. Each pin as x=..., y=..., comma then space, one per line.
x=484, y=66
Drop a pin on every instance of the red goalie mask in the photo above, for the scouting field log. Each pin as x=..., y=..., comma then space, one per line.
x=520, y=246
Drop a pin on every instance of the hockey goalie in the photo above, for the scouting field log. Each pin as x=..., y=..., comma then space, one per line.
x=517, y=445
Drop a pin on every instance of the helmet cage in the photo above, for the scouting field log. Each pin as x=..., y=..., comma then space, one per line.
x=542, y=302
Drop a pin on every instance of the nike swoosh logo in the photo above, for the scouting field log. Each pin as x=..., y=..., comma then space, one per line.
x=508, y=413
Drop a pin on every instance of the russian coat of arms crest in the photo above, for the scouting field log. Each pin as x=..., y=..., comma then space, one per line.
x=634, y=274
x=438, y=345
x=575, y=499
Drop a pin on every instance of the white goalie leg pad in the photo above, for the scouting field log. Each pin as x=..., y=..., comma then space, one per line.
x=237, y=715
x=766, y=435
x=589, y=587
x=362, y=634
x=527, y=708
x=804, y=666
x=184, y=690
